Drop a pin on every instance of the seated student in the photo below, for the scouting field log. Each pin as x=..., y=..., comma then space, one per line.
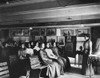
x=32, y=44
x=36, y=48
x=22, y=59
x=62, y=61
x=47, y=57
x=29, y=50
x=67, y=65
x=23, y=55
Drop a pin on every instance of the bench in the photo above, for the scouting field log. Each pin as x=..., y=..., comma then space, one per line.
x=4, y=71
x=36, y=68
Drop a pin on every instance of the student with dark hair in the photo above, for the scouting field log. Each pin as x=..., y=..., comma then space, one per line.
x=65, y=63
x=24, y=59
x=32, y=44
x=36, y=48
x=29, y=50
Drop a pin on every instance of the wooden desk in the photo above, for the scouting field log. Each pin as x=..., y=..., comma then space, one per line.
x=36, y=67
x=36, y=72
x=92, y=58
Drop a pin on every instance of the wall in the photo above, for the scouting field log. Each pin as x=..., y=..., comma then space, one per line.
x=4, y=34
x=95, y=34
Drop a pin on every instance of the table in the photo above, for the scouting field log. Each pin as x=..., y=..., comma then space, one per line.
x=92, y=58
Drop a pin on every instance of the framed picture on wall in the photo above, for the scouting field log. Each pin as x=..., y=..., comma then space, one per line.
x=25, y=32
x=61, y=40
x=43, y=32
x=81, y=32
x=16, y=32
x=40, y=38
x=69, y=47
x=51, y=39
x=67, y=32
x=16, y=38
x=12, y=32
x=35, y=32
x=51, y=31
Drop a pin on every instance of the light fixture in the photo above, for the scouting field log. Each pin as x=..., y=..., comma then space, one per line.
x=30, y=28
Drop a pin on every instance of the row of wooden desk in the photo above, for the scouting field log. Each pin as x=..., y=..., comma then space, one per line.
x=92, y=61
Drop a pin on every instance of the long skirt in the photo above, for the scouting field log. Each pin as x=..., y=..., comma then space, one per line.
x=84, y=64
x=53, y=70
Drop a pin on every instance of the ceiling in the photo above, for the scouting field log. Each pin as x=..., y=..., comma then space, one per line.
x=60, y=2
x=40, y=11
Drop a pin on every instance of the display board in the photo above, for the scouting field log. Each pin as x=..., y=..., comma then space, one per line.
x=70, y=46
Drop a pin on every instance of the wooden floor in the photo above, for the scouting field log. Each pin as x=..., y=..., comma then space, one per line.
x=76, y=73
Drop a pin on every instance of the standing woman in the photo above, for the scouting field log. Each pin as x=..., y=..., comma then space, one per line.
x=87, y=51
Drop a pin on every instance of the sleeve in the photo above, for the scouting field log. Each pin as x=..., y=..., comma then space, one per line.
x=90, y=47
x=42, y=56
x=50, y=54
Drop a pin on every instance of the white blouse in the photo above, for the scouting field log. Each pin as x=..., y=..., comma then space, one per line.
x=50, y=53
x=29, y=51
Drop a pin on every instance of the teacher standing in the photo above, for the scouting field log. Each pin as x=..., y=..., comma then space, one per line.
x=87, y=51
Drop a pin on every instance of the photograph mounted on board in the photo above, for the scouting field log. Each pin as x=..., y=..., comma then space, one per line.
x=81, y=32
x=35, y=32
x=50, y=31
x=40, y=38
x=43, y=32
x=25, y=32
x=67, y=32
x=16, y=32
x=51, y=39
x=61, y=40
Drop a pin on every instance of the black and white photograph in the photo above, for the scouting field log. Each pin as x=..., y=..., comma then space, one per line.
x=40, y=38
x=35, y=32
x=43, y=32
x=61, y=40
x=67, y=32
x=49, y=38
x=81, y=32
x=25, y=32
x=50, y=31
